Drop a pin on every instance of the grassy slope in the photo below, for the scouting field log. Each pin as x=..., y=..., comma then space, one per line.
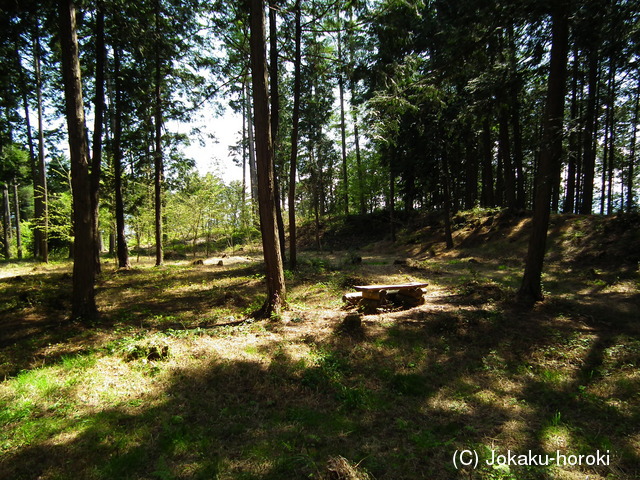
x=468, y=370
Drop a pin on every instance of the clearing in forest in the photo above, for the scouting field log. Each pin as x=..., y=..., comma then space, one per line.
x=173, y=381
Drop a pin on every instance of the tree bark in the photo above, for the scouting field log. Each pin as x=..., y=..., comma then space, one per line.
x=6, y=222
x=605, y=161
x=96, y=158
x=33, y=161
x=392, y=202
x=612, y=134
x=276, y=291
x=243, y=212
x=589, y=157
x=573, y=154
x=158, y=160
x=504, y=152
x=632, y=152
x=356, y=138
x=41, y=203
x=253, y=178
x=447, y=202
x=531, y=288
x=343, y=127
x=275, y=117
x=471, y=169
x=83, y=296
x=16, y=202
x=487, y=192
x=121, y=244
x=293, y=163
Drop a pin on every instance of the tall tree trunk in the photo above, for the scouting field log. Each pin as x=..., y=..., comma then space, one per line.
x=471, y=170
x=276, y=291
x=447, y=202
x=514, y=104
x=354, y=118
x=487, y=195
x=273, y=78
x=158, y=160
x=253, y=177
x=573, y=153
x=41, y=203
x=275, y=117
x=356, y=138
x=6, y=221
x=244, y=158
x=632, y=152
x=612, y=134
x=16, y=202
x=343, y=127
x=605, y=161
x=504, y=152
x=293, y=163
x=96, y=158
x=392, y=202
x=33, y=161
x=531, y=289
x=83, y=296
x=589, y=156
x=121, y=245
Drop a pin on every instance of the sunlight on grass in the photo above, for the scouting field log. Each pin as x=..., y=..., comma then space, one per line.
x=172, y=382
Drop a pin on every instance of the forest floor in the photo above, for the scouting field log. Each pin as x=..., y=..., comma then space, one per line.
x=174, y=382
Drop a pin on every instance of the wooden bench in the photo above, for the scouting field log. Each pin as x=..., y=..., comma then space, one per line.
x=371, y=297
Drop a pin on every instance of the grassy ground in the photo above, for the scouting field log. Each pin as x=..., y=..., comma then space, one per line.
x=170, y=383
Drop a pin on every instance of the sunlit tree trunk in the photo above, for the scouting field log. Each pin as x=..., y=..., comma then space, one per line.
x=275, y=117
x=531, y=287
x=96, y=158
x=6, y=221
x=33, y=161
x=293, y=163
x=84, y=273
x=40, y=187
x=253, y=178
x=121, y=244
x=158, y=159
x=343, y=127
x=16, y=202
x=276, y=291
x=244, y=158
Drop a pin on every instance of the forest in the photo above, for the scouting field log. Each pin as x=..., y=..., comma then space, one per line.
x=162, y=320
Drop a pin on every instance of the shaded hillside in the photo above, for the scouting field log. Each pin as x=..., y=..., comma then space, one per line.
x=587, y=239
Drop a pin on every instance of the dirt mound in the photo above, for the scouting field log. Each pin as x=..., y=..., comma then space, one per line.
x=489, y=233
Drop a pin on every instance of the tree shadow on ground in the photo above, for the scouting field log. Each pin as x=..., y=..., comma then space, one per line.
x=35, y=316
x=399, y=402
x=399, y=397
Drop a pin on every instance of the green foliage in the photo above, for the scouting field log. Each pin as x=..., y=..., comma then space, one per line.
x=60, y=217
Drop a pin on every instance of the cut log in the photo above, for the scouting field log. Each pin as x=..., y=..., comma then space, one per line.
x=413, y=292
x=379, y=295
x=407, y=300
x=352, y=298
